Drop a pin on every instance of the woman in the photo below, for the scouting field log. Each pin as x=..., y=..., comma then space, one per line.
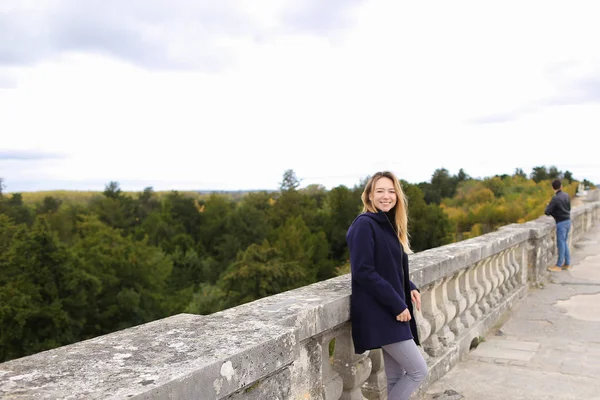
x=382, y=293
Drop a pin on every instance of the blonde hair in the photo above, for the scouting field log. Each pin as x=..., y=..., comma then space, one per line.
x=400, y=209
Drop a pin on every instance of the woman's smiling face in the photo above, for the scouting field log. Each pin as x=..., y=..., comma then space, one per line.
x=384, y=194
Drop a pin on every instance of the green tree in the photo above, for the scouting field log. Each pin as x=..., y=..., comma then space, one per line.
x=115, y=209
x=520, y=172
x=462, y=176
x=185, y=213
x=248, y=223
x=215, y=212
x=428, y=225
x=290, y=181
x=132, y=276
x=568, y=176
x=49, y=205
x=41, y=293
x=14, y=207
x=112, y=190
x=316, y=192
x=539, y=174
x=554, y=173
x=442, y=185
x=296, y=243
x=258, y=272
x=495, y=185
x=207, y=300
x=341, y=207
x=147, y=203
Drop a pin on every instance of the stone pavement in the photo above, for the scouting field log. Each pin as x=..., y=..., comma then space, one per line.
x=549, y=347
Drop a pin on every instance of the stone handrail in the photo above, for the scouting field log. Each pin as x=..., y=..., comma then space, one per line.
x=297, y=344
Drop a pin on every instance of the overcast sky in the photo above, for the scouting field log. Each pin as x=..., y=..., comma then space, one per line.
x=207, y=94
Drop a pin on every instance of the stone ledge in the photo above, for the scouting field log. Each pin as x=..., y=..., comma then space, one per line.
x=209, y=356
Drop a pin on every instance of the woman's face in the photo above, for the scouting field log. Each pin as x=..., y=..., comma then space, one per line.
x=384, y=194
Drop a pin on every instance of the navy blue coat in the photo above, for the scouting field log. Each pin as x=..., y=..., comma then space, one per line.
x=380, y=284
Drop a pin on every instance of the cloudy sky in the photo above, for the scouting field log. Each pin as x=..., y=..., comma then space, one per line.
x=228, y=94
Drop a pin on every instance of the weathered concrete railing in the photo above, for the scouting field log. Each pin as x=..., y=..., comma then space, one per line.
x=281, y=347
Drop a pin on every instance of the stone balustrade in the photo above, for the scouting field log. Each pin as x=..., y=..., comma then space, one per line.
x=298, y=344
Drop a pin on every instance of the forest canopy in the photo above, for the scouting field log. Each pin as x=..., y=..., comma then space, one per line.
x=76, y=265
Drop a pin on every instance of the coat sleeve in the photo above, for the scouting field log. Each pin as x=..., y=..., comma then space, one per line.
x=413, y=286
x=362, y=262
x=550, y=207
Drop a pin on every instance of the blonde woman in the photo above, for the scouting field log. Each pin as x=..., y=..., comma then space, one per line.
x=383, y=296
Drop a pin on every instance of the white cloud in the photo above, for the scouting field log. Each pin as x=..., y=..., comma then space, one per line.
x=400, y=86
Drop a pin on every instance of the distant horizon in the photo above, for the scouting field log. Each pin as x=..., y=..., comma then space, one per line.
x=161, y=186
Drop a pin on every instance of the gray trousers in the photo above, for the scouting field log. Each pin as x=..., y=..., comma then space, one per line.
x=405, y=368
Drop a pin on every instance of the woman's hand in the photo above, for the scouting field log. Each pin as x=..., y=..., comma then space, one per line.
x=404, y=316
x=416, y=299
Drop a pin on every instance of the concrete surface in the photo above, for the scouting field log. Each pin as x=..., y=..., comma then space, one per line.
x=549, y=348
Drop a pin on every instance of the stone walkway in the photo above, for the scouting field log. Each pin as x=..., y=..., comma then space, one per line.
x=548, y=349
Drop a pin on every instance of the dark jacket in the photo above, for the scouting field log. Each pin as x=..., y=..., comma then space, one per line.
x=559, y=207
x=380, y=284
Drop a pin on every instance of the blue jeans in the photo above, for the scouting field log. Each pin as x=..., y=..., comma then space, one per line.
x=562, y=234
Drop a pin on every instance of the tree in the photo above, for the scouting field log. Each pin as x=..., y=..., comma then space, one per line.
x=291, y=203
x=248, y=223
x=442, y=185
x=296, y=243
x=520, y=172
x=554, y=173
x=259, y=272
x=14, y=207
x=132, y=276
x=147, y=203
x=290, y=181
x=214, y=224
x=462, y=176
x=116, y=209
x=341, y=207
x=41, y=293
x=207, y=300
x=539, y=174
x=49, y=205
x=1, y=186
x=316, y=192
x=568, y=175
x=112, y=190
x=495, y=184
x=428, y=225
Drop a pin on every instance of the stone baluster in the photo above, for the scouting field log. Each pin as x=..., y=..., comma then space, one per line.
x=448, y=308
x=466, y=287
x=511, y=268
x=502, y=273
x=332, y=381
x=498, y=274
x=516, y=259
x=436, y=318
x=353, y=368
x=482, y=277
x=375, y=388
x=455, y=294
x=423, y=325
x=491, y=275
